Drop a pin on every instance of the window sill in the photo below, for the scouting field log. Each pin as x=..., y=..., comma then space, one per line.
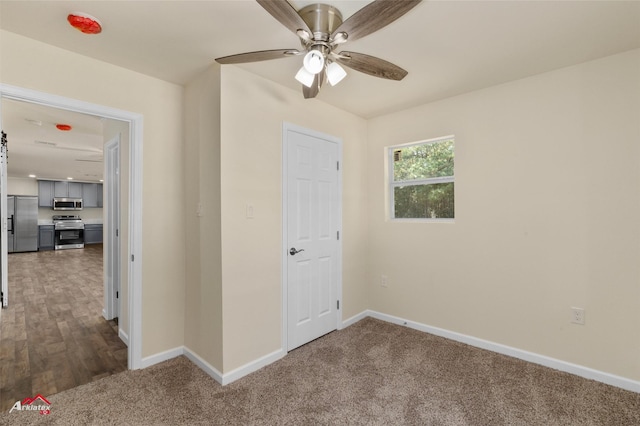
x=422, y=220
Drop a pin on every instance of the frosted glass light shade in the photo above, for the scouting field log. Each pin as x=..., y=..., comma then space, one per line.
x=335, y=73
x=305, y=77
x=313, y=62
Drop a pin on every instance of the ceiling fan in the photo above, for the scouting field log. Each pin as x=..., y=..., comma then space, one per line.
x=321, y=31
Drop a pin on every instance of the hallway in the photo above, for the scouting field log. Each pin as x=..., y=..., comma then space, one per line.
x=53, y=336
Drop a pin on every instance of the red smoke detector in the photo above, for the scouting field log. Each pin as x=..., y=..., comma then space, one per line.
x=85, y=23
x=63, y=127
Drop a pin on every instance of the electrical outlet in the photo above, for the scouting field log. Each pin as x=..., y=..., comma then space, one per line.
x=384, y=282
x=577, y=316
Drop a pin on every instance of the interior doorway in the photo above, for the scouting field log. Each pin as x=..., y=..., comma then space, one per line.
x=132, y=246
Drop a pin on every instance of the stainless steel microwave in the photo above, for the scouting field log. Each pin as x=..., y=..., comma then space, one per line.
x=67, y=203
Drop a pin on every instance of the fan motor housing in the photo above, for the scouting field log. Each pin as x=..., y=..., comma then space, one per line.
x=322, y=19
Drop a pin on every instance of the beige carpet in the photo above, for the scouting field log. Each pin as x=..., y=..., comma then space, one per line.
x=371, y=373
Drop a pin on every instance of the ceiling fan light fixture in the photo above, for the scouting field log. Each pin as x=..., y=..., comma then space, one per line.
x=313, y=62
x=304, y=35
x=305, y=77
x=340, y=38
x=335, y=73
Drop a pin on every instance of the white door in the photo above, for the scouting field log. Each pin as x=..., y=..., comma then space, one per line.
x=312, y=234
x=112, y=228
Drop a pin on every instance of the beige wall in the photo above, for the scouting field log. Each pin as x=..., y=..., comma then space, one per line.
x=22, y=186
x=34, y=65
x=253, y=110
x=547, y=207
x=203, y=298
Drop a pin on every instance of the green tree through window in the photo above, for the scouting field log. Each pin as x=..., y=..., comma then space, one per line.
x=422, y=181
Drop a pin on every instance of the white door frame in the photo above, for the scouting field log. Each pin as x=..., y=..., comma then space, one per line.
x=4, y=249
x=286, y=127
x=112, y=225
x=134, y=249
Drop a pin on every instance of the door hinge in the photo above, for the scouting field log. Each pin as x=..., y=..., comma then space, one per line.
x=132, y=258
x=116, y=232
x=337, y=165
x=338, y=234
x=338, y=304
x=117, y=295
x=1, y=299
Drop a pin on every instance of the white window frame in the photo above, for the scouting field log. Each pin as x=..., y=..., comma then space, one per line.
x=416, y=182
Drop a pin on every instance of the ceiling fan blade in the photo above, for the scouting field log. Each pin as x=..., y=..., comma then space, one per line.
x=373, y=17
x=312, y=92
x=285, y=14
x=261, y=55
x=370, y=65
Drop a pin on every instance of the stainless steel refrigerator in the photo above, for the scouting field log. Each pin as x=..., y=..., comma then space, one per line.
x=22, y=223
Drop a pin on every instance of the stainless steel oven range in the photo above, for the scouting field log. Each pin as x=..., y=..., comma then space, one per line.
x=69, y=231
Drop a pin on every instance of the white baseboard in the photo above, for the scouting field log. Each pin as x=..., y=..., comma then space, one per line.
x=233, y=375
x=223, y=379
x=204, y=365
x=354, y=319
x=123, y=336
x=252, y=366
x=578, y=370
x=162, y=356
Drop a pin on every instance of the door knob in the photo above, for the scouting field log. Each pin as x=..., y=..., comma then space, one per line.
x=293, y=251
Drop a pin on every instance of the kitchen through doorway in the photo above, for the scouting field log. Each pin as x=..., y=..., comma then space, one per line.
x=124, y=124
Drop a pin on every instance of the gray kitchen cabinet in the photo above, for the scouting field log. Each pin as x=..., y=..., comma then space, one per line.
x=75, y=189
x=60, y=189
x=92, y=234
x=66, y=189
x=45, y=193
x=89, y=195
x=46, y=237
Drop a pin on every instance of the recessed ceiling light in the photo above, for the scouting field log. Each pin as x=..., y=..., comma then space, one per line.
x=84, y=23
x=69, y=178
x=32, y=176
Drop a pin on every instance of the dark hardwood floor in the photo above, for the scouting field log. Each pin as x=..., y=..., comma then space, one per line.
x=52, y=335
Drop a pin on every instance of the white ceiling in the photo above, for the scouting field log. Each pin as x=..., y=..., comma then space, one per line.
x=36, y=147
x=448, y=47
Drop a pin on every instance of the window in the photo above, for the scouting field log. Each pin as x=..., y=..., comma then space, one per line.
x=421, y=180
